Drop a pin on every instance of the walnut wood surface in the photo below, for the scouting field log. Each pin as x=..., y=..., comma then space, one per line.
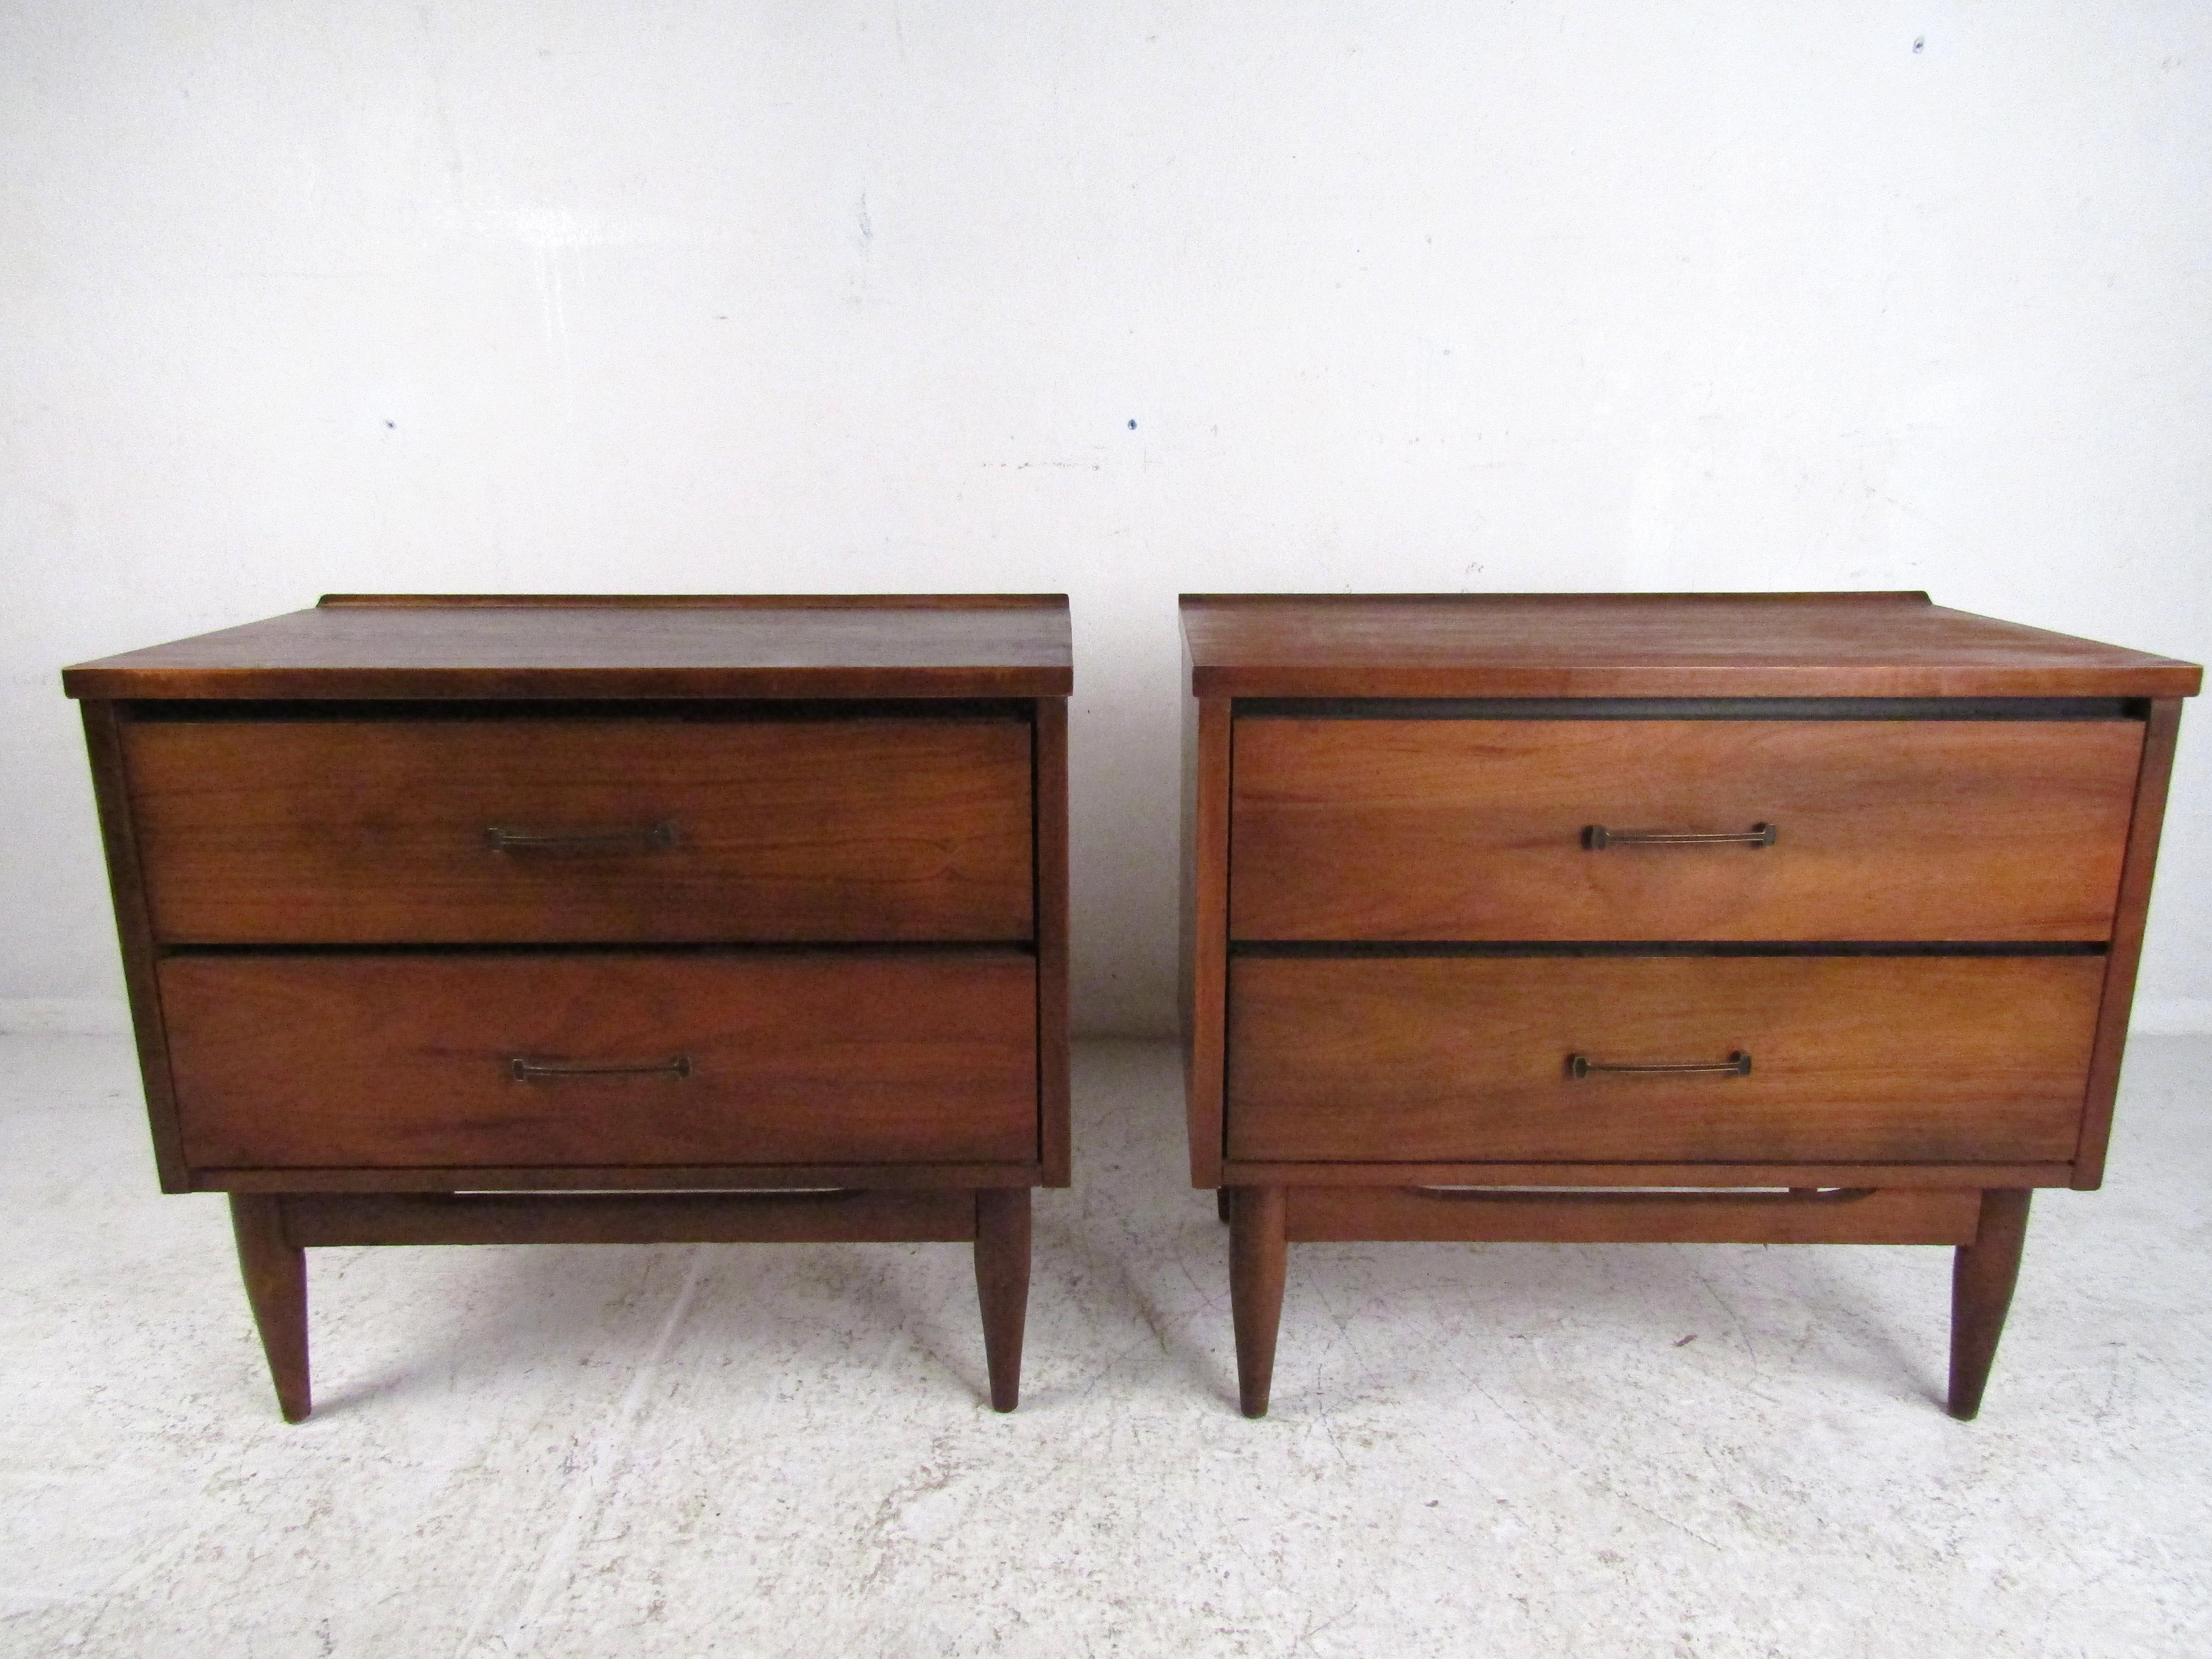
x=273, y=1229
x=1407, y=773
x=275, y=1272
x=400, y=1059
x=376, y=831
x=1257, y=1261
x=915, y=1176
x=487, y=646
x=1261, y=1172
x=1318, y=1214
x=1929, y=1059
x=1649, y=645
x=317, y=1219
x=344, y=1093
x=1205, y=931
x=1474, y=830
x=1002, y=1288
x=1983, y=1274
x=701, y=601
x=1052, y=946
x=118, y=835
x=2134, y=909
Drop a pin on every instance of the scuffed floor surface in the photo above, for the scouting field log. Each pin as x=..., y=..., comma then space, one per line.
x=1474, y=1450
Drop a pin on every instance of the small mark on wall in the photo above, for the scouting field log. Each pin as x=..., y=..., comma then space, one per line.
x=864, y=247
x=1132, y=426
x=1919, y=42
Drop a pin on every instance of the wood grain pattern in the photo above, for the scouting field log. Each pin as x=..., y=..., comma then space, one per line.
x=781, y=857
x=1052, y=946
x=914, y=1176
x=1320, y=1214
x=1204, y=933
x=1262, y=1172
x=1929, y=1058
x=127, y=886
x=1413, y=778
x=481, y=646
x=1474, y=830
x=1644, y=645
x=2133, y=911
x=891, y=602
x=368, y=831
x=382, y=1060
x=317, y=1219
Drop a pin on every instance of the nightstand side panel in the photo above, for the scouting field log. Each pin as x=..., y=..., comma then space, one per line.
x=105, y=746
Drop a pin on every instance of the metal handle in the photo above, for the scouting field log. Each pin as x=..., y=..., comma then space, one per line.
x=580, y=841
x=1736, y=1065
x=1596, y=837
x=523, y=1070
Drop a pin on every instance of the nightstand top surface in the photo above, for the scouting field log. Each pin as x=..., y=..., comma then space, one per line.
x=1644, y=645
x=530, y=647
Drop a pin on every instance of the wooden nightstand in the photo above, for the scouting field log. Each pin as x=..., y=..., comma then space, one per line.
x=1761, y=918
x=518, y=920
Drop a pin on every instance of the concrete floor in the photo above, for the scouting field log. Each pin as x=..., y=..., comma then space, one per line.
x=1474, y=1450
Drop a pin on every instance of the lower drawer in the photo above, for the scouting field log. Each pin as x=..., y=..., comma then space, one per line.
x=1470, y=1059
x=365, y=1061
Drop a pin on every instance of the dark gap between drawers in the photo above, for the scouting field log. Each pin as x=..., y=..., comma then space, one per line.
x=627, y=948
x=1693, y=708
x=1661, y=948
x=597, y=709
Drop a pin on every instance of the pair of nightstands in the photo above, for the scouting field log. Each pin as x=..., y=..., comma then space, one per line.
x=1770, y=918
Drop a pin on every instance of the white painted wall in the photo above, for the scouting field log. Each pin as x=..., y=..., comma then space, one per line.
x=822, y=295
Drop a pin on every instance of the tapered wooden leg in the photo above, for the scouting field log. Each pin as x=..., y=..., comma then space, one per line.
x=1221, y=1204
x=1981, y=1277
x=1256, y=1253
x=1002, y=1285
x=275, y=1272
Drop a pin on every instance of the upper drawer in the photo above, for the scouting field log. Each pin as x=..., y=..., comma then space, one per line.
x=1482, y=830
x=435, y=831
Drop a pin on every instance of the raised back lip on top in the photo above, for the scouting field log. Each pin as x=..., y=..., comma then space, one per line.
x=1869, y=643
x=705, y=601
x=538, y=647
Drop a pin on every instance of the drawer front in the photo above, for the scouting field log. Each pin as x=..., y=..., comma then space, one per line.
x=392, y=1061
x=1467, y=1059
x=382, y=831
x=1988, y=830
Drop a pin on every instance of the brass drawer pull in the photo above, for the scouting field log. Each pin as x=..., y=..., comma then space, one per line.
x=1596, y=837
x=1736, y=1065
x=523, y=1070
x=580, y=841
